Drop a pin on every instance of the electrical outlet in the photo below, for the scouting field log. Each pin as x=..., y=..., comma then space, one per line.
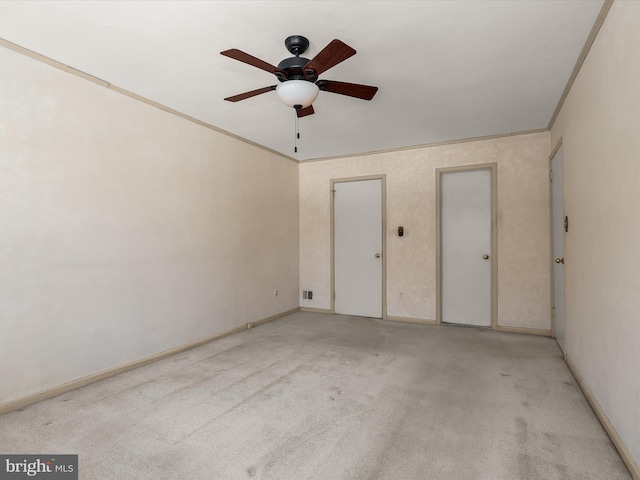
x=305, y=294
x=275, y=293
x=401, y=295
x=310, y=295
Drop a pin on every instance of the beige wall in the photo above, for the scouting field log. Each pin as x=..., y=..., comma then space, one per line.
x=125, y=231
x=600, y=128
x=523, y=225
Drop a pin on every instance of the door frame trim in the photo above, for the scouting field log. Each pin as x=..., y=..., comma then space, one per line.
x=383, y=178
x=493, y=169
x=551, y=259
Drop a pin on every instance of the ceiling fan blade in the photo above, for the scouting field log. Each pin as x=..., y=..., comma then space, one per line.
x=252, y=93
x=251, y=60
x=330, y=56
x=365, y=92
x=303, y=112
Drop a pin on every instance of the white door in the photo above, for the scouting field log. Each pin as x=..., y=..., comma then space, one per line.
x=466, y=247
x=557, y=222
x=358, y=248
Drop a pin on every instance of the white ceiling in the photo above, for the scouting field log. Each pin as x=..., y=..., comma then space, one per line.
x=446, y=70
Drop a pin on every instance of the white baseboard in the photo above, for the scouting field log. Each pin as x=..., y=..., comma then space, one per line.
x=424, y=321
x=624, y=452
x=257, y=323
x=316, y=310
x=528, y=331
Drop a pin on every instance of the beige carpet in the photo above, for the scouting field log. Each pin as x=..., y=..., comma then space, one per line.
x=314, y=396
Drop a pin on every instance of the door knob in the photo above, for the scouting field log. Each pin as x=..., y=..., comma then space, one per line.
x=560, y=260
x=486, y=257
x=377, y=255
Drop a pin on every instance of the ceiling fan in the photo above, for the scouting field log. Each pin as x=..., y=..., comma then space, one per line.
x=299, y=84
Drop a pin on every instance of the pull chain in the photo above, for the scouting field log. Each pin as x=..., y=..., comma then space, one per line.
x=296, y=132
x=296, y=135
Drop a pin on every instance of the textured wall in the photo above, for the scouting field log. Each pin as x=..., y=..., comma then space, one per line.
x=523, y=224
x=126, y=231
x=599, y=125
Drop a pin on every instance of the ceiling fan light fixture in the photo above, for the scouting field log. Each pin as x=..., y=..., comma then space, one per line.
x=297, y=92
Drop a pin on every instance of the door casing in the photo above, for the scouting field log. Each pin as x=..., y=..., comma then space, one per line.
x=552, y=256
x=493, y=168
x=383, y=178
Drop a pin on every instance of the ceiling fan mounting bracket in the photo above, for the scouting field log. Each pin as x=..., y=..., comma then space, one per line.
x=296, y=44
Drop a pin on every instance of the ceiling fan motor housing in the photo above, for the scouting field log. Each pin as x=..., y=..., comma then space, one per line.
x=294, y=70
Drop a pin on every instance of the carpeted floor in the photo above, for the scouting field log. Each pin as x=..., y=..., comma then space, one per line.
x=313, y=396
